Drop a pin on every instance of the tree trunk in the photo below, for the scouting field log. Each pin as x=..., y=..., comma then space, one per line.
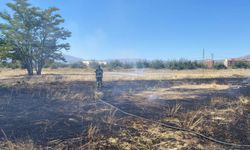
x=29, y=67
x=30, y=70
x=39, y=68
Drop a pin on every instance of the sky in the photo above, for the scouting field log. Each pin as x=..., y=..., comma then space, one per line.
x=154, y=29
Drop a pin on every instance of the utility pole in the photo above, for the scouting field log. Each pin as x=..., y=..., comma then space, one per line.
x=203, y=55
x=203, y=61
x=212, y=60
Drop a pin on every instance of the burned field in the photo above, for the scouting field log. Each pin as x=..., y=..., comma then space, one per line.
x=53, y=112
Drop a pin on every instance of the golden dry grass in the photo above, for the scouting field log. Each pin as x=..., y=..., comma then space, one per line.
x=132, y=74
x=181, y=91
x=203, y=86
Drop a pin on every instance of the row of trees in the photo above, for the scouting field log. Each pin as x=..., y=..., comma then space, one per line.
x=31, y=36
x=116, y=64
x=171, y=64
x=157, y=64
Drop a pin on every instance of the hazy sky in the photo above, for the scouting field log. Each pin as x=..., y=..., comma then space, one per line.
x=154, y=29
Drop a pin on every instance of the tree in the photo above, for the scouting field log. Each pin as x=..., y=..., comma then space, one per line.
x=34, y=34
x=157, y=64
x=114, y=64
x=142, y=64
x=240, y=64
x=3, y=50
x=49, y=36
x=220, y=66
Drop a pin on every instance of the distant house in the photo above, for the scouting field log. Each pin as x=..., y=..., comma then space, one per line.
x=88, y=62
x=209, y=63
x=231, y=61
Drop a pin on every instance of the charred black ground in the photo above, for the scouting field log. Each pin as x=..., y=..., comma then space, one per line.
x=42, y=112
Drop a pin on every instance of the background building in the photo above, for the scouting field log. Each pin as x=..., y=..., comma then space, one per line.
x=231, y=61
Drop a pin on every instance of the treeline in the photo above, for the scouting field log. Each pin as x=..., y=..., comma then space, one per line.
x=117, y=64
x=181, y=64
x=241, y=64
x=156, y=64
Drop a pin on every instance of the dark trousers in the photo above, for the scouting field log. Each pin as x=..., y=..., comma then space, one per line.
x=99, y=81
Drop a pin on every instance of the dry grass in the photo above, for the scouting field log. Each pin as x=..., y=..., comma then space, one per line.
x=110, y=118
x=155, y=137
x=172, y=111
x=165, y=93
x=92, y=137
x=145, y=74
x=245, y=101
x=192, y=120
x=9, y=145
x=27, y=145
x=213, y=86
x=181, y=91
x=98, y=95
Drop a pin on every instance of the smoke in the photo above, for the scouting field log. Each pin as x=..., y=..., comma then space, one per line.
x=246, y=81
x=138, y=72
x=153, y=97
x=135, y=72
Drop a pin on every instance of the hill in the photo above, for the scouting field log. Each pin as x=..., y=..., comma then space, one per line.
x=72, y=59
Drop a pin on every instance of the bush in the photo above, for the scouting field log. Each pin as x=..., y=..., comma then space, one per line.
x=3, y=64
x=157, y=64
x=13, y=65
x=142, y=64
x=240, y=64
x=183, y=64
x=115, y=64
x=128, y=65
x=219, y=66
x=56, y=65
x=78, y=65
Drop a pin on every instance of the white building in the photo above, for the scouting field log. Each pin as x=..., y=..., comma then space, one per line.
x=88, y=62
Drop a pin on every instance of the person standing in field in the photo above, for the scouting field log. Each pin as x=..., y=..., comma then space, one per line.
x=99, y=76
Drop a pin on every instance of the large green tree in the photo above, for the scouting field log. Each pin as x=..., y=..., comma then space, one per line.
x=3, y=50
x=36, y=35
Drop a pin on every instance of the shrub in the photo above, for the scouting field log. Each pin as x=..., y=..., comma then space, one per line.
x=183, y=64
x=3, y=64
x=128, y=65
x=240, y=64
x=115, y=64
x=78, y=65
x=56, y=65
x=142, y=64
x=13, y=64
x=157, y=64
x=219, y=66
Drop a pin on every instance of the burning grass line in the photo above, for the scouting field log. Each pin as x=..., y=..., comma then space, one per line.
x=180, y=129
